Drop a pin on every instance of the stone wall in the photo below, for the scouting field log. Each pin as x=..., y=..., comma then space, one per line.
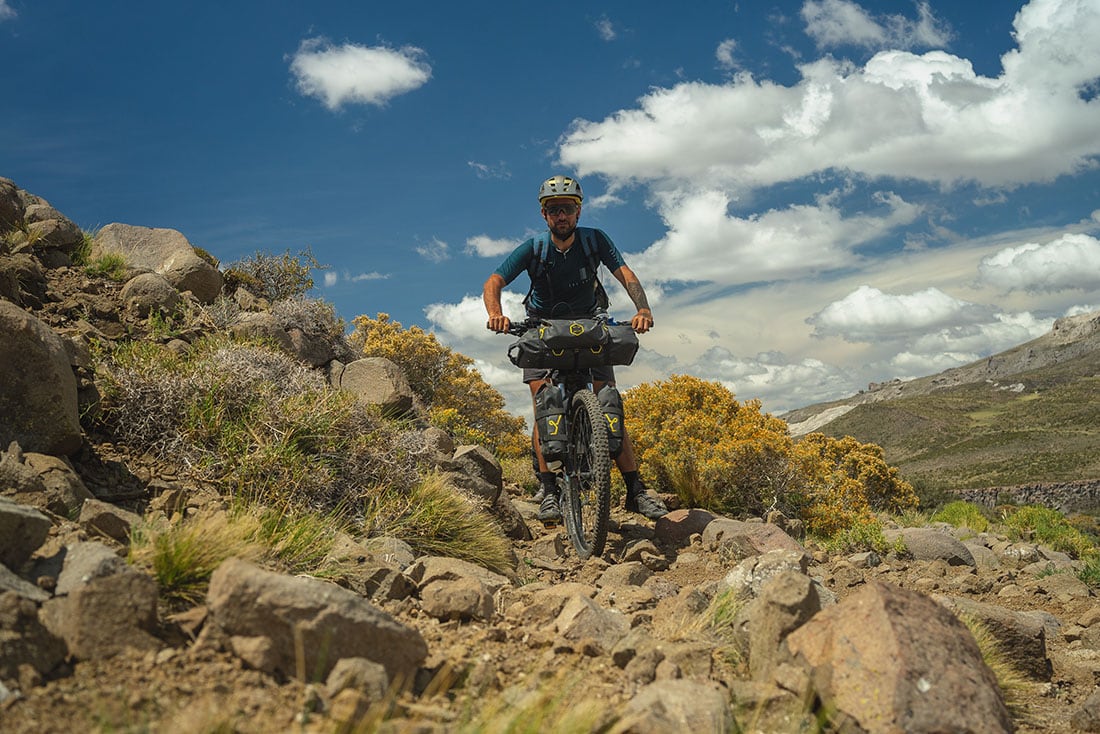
x=1066, y=497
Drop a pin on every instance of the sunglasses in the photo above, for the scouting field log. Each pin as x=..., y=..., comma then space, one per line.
x=566, y=209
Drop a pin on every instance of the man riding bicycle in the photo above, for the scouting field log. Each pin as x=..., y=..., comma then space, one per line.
x=564, y=285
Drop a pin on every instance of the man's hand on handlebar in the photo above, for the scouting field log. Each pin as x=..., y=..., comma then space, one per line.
x=500, y=324
x=642, y=321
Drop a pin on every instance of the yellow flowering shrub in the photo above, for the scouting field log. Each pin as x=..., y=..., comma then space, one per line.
x=693, y=437
x=847, y=482
x=452, y=392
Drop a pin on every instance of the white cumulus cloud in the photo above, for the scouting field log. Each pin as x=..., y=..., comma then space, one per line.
x=1071, y=261
x=867, y=314
x=705, y=243
x=354, y=74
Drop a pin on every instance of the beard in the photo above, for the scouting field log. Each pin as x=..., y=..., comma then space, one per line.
x=564, y=230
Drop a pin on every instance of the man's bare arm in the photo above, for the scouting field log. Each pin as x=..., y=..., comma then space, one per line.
x=490, y=295
x=643, y=320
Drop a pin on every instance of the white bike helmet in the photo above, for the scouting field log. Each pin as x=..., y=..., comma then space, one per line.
x=560, y=186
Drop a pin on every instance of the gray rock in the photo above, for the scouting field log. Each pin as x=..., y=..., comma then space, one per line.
x=751, y=574
x=1087, y=717
x=24, y=640
x=108, y=520
x=39, y=398
x=476, y=471
x=745, y=539
x=86, y=561
x=1021, y=636
x=677, y=706
x=462, y=599
x=928, y=544
x=359, y=674
x=22, y=531
x=149, y=293
x=378, y=381
x=105, y=615
x=676, y=528
x=585, y=623
x=162, y=251
x=785, y=602
x=296, y=626
x=429, y=569
x=262, y=325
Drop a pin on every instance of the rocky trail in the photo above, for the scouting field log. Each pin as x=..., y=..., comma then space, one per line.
x=627, y=634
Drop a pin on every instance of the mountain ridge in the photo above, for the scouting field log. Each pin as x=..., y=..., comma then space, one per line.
x=1022, y=416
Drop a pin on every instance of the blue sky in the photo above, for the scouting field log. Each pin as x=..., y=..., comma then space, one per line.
x=816, y=193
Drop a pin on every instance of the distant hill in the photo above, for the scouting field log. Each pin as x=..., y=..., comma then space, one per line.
x=1029, y=414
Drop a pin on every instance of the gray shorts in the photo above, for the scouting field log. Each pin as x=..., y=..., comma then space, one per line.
x=599, y=374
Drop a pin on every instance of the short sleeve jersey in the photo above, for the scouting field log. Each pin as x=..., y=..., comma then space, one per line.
x=567, y=289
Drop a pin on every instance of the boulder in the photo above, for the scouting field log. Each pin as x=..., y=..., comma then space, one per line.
x=744, y=539
x=893, y=660
x=930, y=544
x=108, y=520
x=301, y=627
x=162, y=251
x=462, y=599
x=24, y=640
x=786, y=602
x=677, y=706
x=149, y=293
x=22, y=531
x=100, y=616
x=39, y=398
x=676, y=528
x=1021, y=636
x=11, y=206
x=476, y=471
x=261, y=325
x=377, y=381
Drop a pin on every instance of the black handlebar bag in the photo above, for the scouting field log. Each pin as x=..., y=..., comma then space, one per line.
x=574, y=344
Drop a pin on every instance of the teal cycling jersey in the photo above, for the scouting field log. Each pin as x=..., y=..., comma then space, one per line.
x=567, y=286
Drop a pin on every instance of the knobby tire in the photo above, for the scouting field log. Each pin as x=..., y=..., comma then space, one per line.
x=587, y=500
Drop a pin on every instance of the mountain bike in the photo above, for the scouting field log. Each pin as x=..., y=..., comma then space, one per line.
x=584, y=477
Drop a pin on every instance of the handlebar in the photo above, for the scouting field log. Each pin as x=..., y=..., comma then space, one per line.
x=519, y=328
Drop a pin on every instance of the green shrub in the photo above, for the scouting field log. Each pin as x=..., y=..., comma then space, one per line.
x=435, y=519
x=1050, y=527
x=183, y=555
x=252, y=420
x=865, y=534
x=110, y=265
x=963, y=515
x=274, y=277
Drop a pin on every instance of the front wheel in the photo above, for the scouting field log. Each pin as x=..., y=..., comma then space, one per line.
x=587, y=498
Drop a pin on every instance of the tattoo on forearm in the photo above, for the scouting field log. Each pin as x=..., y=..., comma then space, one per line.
x=634, y=290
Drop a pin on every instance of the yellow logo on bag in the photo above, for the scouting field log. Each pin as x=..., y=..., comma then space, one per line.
x=576, y=329
x=612, y=423
x=554, y=424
